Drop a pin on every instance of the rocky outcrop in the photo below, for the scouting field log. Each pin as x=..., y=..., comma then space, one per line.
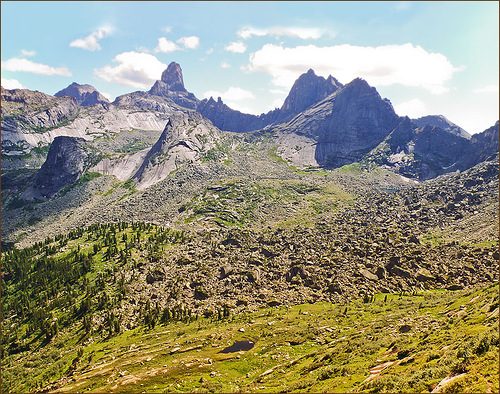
x=185, y=139
x=171, y=86
x=85, y=95
x=67, y=160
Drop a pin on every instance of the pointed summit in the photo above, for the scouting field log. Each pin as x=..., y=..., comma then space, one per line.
x=307, y=90
x=171, y=85
x=172, y=76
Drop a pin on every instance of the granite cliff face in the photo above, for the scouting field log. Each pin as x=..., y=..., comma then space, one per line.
x=171, y=86
x=85, y=95
x=67, y=160
x=343, y=127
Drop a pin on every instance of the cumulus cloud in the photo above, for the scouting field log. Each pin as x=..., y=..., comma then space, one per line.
x=91, y=42
x=26, y=53
x=304, y=33
x=225, y=65
x=166, y=46
x=237, y=98
x=11, y=84
x=493, y=88
x=191, y=42
x=413, y=108
x=236, y=47
x=407, y=64
x=24, y=65
x=136, y=69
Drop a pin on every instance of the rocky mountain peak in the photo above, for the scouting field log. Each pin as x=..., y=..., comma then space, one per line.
x=172, y=76
x=333, y=81
x=358, y=84
x=85, y=95
x=307, y=90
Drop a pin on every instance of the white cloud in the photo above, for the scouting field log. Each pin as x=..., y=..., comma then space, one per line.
x=225, y=65
x=166, y=46
x=413, y=108
x=209, y=51
x=493, y=88
x=236, y=47
x=26, y=53
x=11, y=84
x=91, y=42
x=191, y=42
x=304, y=33
x=136, y=69
x=235, y=97
x=24, y=65
x=406, y=65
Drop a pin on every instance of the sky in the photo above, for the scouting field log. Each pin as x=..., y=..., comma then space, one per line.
x=425, y=57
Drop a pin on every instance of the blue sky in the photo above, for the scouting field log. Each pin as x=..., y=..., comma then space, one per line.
x=426, y=57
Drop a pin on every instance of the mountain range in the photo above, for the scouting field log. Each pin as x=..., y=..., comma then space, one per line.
x=321, y=123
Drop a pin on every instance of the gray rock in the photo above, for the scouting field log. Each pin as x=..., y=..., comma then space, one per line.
x=67, y=160
x=85, y=95
x=441, y=122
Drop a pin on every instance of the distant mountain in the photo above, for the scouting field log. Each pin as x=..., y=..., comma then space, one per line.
x=85, y=95
x=307, y=90
x=428, y=151
x=443, y=123
x=228, y=119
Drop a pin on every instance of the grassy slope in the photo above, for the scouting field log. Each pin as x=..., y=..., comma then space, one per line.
x=318, y=347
